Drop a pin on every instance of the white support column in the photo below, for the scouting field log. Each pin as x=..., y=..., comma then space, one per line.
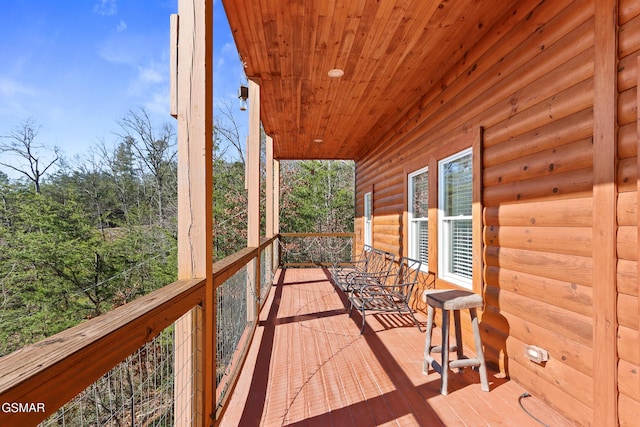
x=192, y=105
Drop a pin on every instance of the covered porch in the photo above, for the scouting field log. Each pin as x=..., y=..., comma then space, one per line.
x=309, y=365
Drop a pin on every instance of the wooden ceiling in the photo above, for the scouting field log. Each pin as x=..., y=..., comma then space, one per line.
x=392, y=52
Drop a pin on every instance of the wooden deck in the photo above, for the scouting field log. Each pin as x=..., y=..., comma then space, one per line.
x=309, y=366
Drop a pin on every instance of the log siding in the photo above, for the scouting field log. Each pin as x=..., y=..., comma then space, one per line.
x=523, y=98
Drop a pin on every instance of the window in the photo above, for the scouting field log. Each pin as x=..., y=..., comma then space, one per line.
x=418, y=210
x=454, y=219
x=368, y=209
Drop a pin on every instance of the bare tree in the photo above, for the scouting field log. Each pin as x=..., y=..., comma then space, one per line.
x=226, y=133
x=20, y=144
x=153, y=148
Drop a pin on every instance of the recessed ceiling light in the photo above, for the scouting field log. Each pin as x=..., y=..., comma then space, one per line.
x=336, y=72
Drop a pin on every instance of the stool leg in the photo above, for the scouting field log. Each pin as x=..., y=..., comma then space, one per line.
x=456, y=319
x=484, y=381
x=427, y=343
x=445, y=352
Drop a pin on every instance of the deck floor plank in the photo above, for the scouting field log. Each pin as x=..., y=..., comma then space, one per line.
x=321, y=372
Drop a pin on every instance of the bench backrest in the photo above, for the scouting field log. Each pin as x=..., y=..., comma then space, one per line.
x=380, y=262
x=407, y=275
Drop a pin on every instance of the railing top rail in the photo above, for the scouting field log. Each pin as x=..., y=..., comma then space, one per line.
x=317, y=234
x=54, y=370
x=266, y=241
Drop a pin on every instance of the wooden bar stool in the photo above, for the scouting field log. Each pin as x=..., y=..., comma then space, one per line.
x=453, y=300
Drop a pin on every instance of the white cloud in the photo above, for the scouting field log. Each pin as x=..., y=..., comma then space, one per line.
x=151, y=74
x=158, y=103
x=10, y=87
x=106, y=7
x=121, y=26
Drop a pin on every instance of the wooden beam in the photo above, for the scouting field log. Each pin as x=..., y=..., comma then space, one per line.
x=269, y=178
x=253, y=198
x=638, y=188
x=194, y=112
x=605, y=390
x=478, y=266
x=276, y=197
x=253, y=166
x=173, y=65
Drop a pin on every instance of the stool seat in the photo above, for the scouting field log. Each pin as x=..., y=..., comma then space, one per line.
x=453, y=300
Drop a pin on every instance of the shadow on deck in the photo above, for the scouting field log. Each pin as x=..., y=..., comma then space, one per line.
x=308, y=365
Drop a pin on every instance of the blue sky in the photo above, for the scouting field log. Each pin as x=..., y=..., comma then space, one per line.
x=78, y=66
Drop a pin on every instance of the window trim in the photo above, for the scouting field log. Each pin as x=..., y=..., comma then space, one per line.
x=444, y=245
x=367, y=237
x=412, y=249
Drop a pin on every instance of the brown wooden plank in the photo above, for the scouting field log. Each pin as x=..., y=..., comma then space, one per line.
x=604, y=216
x=629, y=37
x=559, y=132
x=572, y=382
x=629, y=411
x=627, y=209
x=566, y=268
x=335, y=375
x=574, y=212
x=626, y=286
x=566, y=295
x=572, y=326
x=569, y=241
x=554, y=160
x=576, y=355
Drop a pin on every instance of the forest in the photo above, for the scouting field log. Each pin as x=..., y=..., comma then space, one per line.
x=81, y=236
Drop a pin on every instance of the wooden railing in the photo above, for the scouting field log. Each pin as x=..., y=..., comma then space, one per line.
x=44, y=376
x=315, y=249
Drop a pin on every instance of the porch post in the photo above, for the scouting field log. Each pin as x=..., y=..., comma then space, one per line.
x=276, y=197
x=192, y=106
x=269, y=167
x=253, y=196
x=605, y=324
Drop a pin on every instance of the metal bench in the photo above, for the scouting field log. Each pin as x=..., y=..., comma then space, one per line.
x=377, y=263
x=358, y=263
x=385, y=293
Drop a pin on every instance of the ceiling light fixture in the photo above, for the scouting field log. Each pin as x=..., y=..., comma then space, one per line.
x=336, y=72
x=318, y=140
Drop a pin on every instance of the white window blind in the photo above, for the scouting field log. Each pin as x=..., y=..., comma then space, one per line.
x=455, y=218
x=418, y=204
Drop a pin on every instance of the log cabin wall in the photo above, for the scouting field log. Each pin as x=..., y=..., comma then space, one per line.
x=628, y=304
x=530, y=85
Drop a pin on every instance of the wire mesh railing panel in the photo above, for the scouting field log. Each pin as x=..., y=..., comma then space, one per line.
x=276, y=255
x=235, y=299
x=137, y=392
x=316, y=250
x=266, y=272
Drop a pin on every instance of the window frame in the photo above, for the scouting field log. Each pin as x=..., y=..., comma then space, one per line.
x=367, y=237
x=413, y=243
x=445, y=246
